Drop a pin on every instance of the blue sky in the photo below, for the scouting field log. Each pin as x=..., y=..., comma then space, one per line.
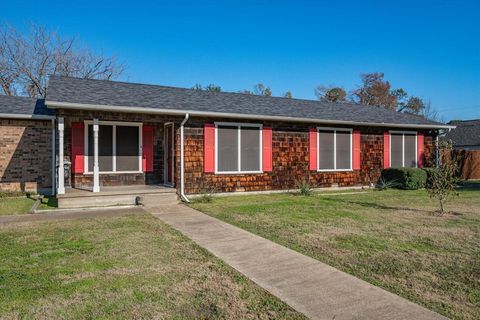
x=429, y=48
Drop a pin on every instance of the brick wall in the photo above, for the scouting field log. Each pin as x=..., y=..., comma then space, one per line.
x=290, y=162
x=25, y=154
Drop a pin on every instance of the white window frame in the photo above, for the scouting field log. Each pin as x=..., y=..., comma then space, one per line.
x=334, y=149
x=114, y=125
x=239, y=126
x=403, y=146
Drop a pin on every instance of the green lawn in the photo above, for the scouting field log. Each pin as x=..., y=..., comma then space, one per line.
x=389, y=238
x=121, y=267
x=22, y=204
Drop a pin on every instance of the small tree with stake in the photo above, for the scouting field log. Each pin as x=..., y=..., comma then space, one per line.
x=443, y=180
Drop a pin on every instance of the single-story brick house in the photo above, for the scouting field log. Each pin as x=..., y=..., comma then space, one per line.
x=117, y=133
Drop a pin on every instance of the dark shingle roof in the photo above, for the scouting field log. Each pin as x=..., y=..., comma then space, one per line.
x=102, y=92
x=467, y=133
x=23, y=106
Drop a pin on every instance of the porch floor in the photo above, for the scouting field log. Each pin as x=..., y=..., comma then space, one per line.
x=117, y=191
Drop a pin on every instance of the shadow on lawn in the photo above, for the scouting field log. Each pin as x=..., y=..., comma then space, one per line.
x=469, y=186
x=374, y=205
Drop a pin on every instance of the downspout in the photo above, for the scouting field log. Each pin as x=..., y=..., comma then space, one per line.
x=53, y=175
x=437, y=156
x=182, y=167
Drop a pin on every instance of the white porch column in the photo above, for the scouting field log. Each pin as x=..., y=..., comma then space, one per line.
x=96, y=174
x=61, y=171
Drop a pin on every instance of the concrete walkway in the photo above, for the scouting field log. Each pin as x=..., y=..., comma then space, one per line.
x=311, y=287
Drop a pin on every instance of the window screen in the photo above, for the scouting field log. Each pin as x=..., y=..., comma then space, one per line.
x=334, y=150
x=410, y=147
x=127, y=153
x=105, y=148
x=344, y=154
x=250, y=149
x=326, y=158
x=238, y=156
x=403, y=150
x=227, y=148
x=396, y=150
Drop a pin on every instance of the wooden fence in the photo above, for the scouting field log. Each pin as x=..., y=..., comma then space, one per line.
x=468, y=163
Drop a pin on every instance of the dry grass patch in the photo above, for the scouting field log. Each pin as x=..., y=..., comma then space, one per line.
x=393, y=239
x=125, y=267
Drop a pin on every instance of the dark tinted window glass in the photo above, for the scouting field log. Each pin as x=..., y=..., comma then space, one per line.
x=227, y=145
x=105, y=148
x=250, y=149
x=325, y=150
x=396, y=150
x=410, y=151
x=343, y=150
x=127, y=148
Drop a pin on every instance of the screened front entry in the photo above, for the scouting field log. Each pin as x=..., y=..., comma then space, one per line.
x=119, y=147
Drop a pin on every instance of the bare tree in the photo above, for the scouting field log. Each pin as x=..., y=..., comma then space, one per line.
x=262, y=90
x=27, y=60
x=259, y=89
x=429, y=112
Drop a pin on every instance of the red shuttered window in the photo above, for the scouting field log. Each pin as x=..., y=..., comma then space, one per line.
x=267, y=149
x=209, y=147
x=386, y=150
x=356, y=150
x=420, y=150
x=147, y=148
x=313, y=153
x=78, y=147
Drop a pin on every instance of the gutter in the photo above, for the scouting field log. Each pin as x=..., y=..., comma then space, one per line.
x=26, y=116
x=182, y=166
x=99, y=107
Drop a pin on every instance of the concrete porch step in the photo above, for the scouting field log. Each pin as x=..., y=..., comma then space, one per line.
x=117, y=196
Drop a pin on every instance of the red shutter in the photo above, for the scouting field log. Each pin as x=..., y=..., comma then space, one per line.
x=147, y=148
x=209, y=147
x=356, y=150
x=267, y=149
x=386, y=150
x=78, y=147
x=420, y=150
x=313, y=148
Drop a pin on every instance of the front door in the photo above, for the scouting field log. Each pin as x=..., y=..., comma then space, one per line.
x=169, y=154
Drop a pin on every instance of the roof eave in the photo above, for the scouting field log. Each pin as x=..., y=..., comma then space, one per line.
x=26, y=116
x=98, y=107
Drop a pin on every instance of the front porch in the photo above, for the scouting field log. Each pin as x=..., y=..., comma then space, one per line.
x=116, y=195
x=114, y=154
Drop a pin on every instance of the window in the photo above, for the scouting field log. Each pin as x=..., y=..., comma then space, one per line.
x=238, y=148
x=119, y=147
x=334, y=149
x=403, y=149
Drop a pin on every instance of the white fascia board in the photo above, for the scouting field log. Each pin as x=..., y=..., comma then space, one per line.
x=112, y=108
x=25, y=116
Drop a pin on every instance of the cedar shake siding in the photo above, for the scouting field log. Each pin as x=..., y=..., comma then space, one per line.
x=25, y=154
x=290, y=161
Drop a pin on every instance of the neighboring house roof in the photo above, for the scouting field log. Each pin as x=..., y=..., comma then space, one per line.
x=23, y=107
x=467, y=133
x=121, y=96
